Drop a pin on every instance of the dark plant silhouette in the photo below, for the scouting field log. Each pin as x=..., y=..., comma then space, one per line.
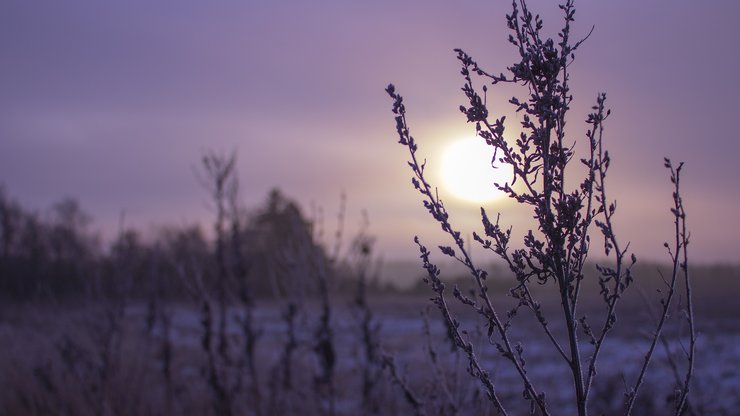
x=361, y=255
x=566, y=213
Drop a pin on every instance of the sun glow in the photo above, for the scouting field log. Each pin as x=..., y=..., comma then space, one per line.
x=468, y=174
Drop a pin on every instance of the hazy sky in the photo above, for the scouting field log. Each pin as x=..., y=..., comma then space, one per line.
x=114, y=102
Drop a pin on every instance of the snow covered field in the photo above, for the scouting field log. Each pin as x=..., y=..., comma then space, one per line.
x=41, y=370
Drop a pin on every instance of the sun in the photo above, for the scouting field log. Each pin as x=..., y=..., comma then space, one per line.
x=467, y=172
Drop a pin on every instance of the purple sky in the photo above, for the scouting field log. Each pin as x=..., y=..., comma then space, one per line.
x=114, y=102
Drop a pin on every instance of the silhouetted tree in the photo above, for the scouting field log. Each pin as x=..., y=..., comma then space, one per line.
x=50, y=257
x=281, y=247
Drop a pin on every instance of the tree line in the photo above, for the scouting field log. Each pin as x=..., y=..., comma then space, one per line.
x=58, y=254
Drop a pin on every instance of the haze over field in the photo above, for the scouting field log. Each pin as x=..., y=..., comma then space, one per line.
x=114, y=103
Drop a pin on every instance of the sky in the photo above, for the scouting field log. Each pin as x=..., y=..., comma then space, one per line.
x=114, y=103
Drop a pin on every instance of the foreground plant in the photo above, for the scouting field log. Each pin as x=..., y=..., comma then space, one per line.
x=555, y=254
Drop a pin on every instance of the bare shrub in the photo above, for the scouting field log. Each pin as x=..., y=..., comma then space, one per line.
x=567, y=214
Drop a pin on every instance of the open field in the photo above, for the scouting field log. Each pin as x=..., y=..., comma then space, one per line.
x=81, y=358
